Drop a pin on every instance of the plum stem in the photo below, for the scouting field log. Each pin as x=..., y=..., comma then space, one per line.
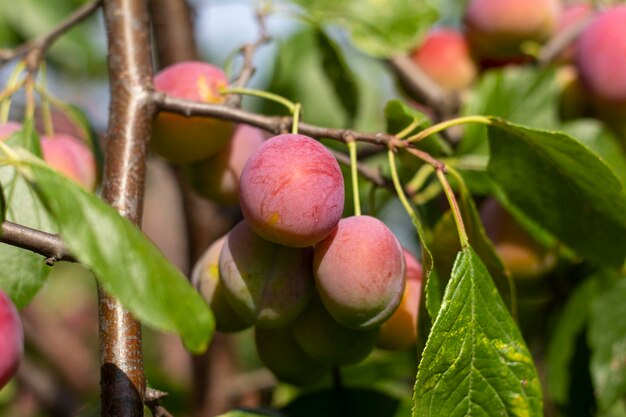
x=486, y=120
x=45, y=103
x=290, y=105
x=454, y=206
x=296, y=118
x=13, y=84
x=398, y=186
x=354, y=176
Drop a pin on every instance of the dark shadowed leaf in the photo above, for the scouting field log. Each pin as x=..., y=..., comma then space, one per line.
x=352, y=402
x=562, y=186
x=475, y=361
x=253, y=413
x=607, y=339
x=339, y=74
x=570, y=323
x=125, y=262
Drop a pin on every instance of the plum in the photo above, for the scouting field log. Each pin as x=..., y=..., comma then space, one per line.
x=280, y=353
x=217, y=178
x=71, y=157
x=292, y=191
x=360, y=272
x=328, y=342
x=11, y=339
x=400, y=330
x=265, y=283
x=205, y=278
x=497, y=29
x=445, y=57
x=182, y=139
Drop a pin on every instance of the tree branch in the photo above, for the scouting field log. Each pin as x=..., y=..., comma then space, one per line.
x=123, y=382
x=561, y=40
x=47, y=244
x=35, y=49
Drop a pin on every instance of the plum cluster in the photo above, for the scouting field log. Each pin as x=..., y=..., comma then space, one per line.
x=321, y=291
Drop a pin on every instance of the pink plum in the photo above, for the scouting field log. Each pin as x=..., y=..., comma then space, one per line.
x=183, y=139
x=292, y=191
x=71, y=157
x=360, y=272
x=11, y=339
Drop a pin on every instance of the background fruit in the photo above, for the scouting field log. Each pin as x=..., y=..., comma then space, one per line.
x=359, y=272
x=570, y=16
x=327, y=341
x=183, y=139
x=9, y=128
x=400, y=330
x=71, y=157
x=11, y=339
x=497, y=29
x=266, y=283
x=280, y=353
x=217, y=178
x=292, y=191
x=522, y=256
x=206, y=279
x=445, y=57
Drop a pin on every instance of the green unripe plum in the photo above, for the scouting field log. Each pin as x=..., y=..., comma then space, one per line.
x=292, y=191
x=445, y=57
x=400, y=330
x=280, y=353
x=182, y=139
x=71, y=157
x=498, y=29
x=217, y=178
x=359, y=272
x=267, y=284
x=328, y=342
x=11, y=339
x=205, y=278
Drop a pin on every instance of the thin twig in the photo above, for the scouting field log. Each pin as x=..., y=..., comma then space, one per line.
x=420, y=86
x=248, y=51
x=560, y=41
x=35, y=48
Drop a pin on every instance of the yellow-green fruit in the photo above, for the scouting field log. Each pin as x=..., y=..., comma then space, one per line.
x=327, y=341
x=281, y=354
x=206, y=279
x=182, y=139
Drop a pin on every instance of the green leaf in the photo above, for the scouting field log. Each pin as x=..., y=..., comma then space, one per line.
x=339, y=74
x=125, y=262
x=594, y=135
x=519, y=94
x=23, y=272
x=400, y=115
x=475, y=361
x=562, y=186
x=379, y=28
x=607, y=339
x=570, y=323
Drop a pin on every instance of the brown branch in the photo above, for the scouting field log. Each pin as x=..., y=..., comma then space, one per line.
x=123, y=382
x=248, y=51
x=560, y=41
x=47, y=244
x=274, y=124
x=35, y=49
x=421, y=87
x=173, y=31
